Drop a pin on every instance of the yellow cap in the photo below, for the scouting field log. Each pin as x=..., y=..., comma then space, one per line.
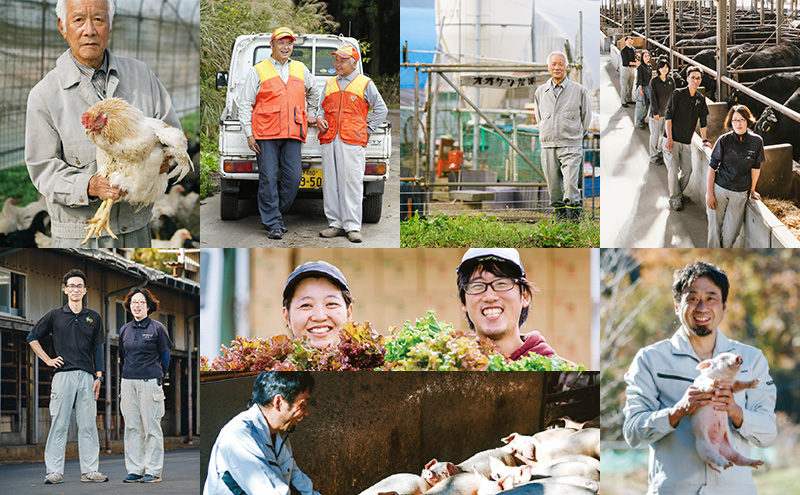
x=347, y=51
x=282, y=32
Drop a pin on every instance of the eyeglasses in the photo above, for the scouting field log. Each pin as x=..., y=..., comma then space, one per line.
x=73, y=287
x=498, y=285
x=738, y=120
x=138, y=303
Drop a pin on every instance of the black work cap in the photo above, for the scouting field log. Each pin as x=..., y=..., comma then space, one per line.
x=314, y=268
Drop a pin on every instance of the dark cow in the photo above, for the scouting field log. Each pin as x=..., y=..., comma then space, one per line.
x=783, y=55
x=708, y=58
x=776, y=128
x=777, y=87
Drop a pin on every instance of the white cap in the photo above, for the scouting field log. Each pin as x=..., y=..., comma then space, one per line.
x=507, y=254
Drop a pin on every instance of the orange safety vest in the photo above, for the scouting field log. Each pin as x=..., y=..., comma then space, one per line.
x=280, y=109
x=346, y=111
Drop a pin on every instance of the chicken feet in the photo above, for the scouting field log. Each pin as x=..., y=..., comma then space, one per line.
x=100, y=221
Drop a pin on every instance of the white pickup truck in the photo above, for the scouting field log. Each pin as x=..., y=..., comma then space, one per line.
x=237, y=163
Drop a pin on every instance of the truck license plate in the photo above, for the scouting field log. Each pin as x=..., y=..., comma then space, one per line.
x=312, y=179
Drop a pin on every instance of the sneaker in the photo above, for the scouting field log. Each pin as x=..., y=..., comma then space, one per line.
x=132, y=478
x=53, y=478
x=94, y=476
x=332, y=232
x=676, y=204
x=354, y=236
x=149, y=478
x=275, y=233
x=284, y=229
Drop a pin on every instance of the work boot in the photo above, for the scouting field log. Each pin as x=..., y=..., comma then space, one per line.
x=574, y=214
x=354, y=236
x=332, y=232
x=561, y=213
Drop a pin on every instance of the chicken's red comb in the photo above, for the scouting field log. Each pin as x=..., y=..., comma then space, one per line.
x=85, y=120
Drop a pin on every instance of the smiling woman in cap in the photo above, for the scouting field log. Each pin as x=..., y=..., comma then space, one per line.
x=316, y=302
x=496, y=297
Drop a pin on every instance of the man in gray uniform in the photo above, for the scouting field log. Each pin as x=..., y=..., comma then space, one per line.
x=564, y=113
x=78, y=337
x=351, y=110
x=59, y=155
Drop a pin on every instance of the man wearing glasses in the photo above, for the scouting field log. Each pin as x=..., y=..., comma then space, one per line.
x=496, y=297
x=78, y=337
x=685, y=107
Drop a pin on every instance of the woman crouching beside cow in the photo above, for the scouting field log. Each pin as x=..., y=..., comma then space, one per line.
x=733, y=172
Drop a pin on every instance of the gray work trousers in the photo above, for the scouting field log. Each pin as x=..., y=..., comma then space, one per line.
x=679, y=168
x=562, y=170
x=725, y=222
x=342, y=184
x=70, y=388
x=142, y=406
x=656, y=138
x=626, y=80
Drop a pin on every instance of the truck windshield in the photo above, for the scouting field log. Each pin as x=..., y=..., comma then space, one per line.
x=323, y=67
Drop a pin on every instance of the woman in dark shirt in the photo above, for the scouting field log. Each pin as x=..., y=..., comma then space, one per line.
x=144, y=346
x=659, y=90
x=733, y=172
x=643, y=75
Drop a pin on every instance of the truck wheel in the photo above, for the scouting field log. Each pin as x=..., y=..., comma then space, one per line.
x=371, y=208
x=229, y=206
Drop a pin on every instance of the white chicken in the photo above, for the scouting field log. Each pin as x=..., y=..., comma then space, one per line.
x=130, y=151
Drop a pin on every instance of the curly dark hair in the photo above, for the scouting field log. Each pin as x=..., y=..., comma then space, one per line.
x=152, y=302
x=686, y=276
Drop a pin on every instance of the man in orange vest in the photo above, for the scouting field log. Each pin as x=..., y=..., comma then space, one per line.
x=274, y=119
x=345, y=124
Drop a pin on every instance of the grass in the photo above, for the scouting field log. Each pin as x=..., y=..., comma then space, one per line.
x=209, y=162
x=15, y=181
x=485, y=231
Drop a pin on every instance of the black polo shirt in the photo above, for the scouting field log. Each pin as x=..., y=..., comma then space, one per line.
x=734, y=157
x=75, y=337
x=628, y=56
x=660, y=92
x=684, y=110
x=141, y=343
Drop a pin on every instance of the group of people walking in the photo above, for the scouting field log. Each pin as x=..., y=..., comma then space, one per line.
x=674, y=113
x=78, y=374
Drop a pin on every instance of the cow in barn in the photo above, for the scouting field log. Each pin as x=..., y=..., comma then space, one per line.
x=783, y=55
x=776, y=128
x=777, y=87
x=708, y=58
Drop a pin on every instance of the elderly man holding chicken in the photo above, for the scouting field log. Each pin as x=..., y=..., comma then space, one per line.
x=62, y=159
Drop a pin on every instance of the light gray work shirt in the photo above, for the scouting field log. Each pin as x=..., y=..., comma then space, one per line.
x=657, y=379
x=246, y=456
x=59, y=155
x=252, y=84
x=377, y=107
x=564, y=120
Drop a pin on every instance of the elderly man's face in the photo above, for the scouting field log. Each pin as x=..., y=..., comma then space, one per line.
x=344, y=66
x=86, y=29
x=557, y=67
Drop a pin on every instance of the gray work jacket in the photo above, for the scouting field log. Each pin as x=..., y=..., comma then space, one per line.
x=59, y=155
x=657, y=380
x=564, y=120
x=245, y=457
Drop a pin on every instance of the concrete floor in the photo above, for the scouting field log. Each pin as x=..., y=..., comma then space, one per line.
x=635, y=201
x=181, y=475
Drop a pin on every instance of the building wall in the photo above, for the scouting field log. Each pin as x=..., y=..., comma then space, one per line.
x=391, y=286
